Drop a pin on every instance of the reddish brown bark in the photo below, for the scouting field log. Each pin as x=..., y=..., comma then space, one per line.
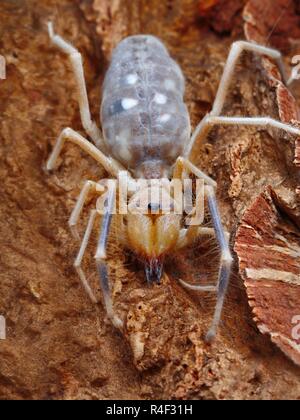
x=268, y=247
x=59, y=345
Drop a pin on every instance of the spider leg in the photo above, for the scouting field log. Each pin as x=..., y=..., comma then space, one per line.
x=225, y=263
x=100, y=258
x=186, y=237
x=198, y=288
x=78, y=261
x=202, y=129
x=189, y=235
x=237, y=49
x=89, y=187
x=76, y=61
x=182, y=169
x=109, y=164
x=183, y=166
x=209, y=121
x=254, y=121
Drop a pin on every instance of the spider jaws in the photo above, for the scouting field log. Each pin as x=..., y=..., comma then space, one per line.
x=153, y=271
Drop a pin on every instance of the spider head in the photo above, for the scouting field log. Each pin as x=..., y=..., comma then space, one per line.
x=152, y=231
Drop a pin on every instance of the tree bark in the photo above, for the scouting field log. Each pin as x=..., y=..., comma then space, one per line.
x=59, y=345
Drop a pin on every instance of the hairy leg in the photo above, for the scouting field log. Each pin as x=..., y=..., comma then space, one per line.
x=76, y=61
x=225, y=263
x=183, y=166
x=237, y=48
x=109, y=164
x=209, y=121
x=100, y=258
x=78, y=261
x=90, y=187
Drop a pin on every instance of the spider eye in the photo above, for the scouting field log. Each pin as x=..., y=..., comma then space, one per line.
x=153, y=207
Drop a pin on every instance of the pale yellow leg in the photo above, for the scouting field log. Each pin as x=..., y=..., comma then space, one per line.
x=108, y=163
x=90, y=187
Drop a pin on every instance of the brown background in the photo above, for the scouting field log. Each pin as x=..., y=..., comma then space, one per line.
x=59, y=345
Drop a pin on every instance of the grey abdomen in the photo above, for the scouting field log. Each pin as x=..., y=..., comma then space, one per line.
x=143, y=114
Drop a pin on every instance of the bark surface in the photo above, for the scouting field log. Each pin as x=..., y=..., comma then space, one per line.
x=60, y=346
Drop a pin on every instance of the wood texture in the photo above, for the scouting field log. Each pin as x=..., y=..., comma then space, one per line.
x=268, y=247
x=59, y=345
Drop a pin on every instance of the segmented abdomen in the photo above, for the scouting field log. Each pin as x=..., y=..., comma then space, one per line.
x=143, y=114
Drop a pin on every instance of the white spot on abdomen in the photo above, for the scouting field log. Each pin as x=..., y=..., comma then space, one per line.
x=159, y=98
x=128, y=103
x=170, y=84
x=164, y=118
x=124, y=153
x=131, y=79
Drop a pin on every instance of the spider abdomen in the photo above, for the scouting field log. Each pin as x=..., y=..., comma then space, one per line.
x=144, y=118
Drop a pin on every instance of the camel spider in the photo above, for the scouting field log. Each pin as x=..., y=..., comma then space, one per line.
x=146, y=128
